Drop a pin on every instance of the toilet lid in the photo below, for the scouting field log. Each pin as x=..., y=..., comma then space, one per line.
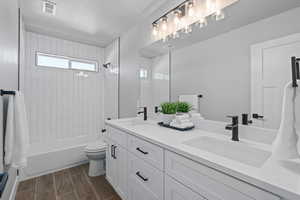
x=95, y=146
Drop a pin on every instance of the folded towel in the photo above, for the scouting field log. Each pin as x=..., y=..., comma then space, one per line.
x=182, y=117
x=17, y=133
x=185, y=125
x=182, y=121
x=285, y=144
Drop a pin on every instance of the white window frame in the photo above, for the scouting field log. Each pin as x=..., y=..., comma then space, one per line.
x=70, y=59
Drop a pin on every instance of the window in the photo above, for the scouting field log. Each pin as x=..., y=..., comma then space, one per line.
x=143, y=73
x=44, y=60
x=53, y=61
x=83, y=66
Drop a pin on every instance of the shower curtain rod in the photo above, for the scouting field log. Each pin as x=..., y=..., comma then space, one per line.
x=6, y=92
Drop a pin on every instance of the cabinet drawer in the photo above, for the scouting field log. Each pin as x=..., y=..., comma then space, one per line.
x=210, y=183
x=143, y=175
x=177, y=191
x=151, y=153
x=117, y=136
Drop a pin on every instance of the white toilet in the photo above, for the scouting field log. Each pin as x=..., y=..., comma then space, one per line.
x=95, y=152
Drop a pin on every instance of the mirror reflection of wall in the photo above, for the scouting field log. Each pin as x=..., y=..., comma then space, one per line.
x=220, y=68
x=154, y=81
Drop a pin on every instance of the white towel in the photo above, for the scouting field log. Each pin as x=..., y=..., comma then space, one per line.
x=191, y=99
x=1, y=134
x=17, y=133
x=184, y=125
x=285, y=144
x=9, y=131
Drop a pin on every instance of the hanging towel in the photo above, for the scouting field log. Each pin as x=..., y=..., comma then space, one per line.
x=17, y=133
x=1, y=134
x=9, y=131
x=191, y=99
x=285, y=144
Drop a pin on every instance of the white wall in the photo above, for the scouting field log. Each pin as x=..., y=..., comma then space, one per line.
x=64, y=109
x=219, y=68
x=111, y=80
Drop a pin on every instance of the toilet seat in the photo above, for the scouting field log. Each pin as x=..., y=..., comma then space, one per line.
x=94, y=147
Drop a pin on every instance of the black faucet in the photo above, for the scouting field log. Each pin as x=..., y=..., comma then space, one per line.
x=245, y=120
x=234, y=127
x=145, y=113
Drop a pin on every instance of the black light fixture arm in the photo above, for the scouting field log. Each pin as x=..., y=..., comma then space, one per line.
x=172, y=10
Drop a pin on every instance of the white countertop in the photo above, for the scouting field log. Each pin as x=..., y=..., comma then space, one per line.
x=279, y=177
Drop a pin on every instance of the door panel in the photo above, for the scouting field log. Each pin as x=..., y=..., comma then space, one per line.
x=271, y=71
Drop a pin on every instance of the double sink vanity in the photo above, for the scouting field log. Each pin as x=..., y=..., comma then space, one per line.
x=147, y=162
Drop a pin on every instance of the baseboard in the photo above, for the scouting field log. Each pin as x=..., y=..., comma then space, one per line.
x=49, y=162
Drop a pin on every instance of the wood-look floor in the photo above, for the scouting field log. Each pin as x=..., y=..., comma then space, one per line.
x=68, y=184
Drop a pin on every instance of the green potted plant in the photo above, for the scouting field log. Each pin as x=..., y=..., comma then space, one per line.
x=183, y=107
x=168, y=110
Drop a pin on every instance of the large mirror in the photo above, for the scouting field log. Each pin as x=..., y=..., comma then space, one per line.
x=237, y=72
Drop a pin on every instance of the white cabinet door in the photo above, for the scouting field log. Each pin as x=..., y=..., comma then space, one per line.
x=177, y=191
x=110, y=163
x=121, y=171
x=138, y=191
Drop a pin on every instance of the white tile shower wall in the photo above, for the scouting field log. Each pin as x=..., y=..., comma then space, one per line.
x=111, y=79
x=64, y=109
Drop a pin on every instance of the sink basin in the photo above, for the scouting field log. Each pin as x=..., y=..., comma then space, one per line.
x=238, y=151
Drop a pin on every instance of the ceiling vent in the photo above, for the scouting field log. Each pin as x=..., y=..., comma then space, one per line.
x=49, y=7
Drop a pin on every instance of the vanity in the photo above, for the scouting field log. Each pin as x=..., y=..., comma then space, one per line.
x=147, y=162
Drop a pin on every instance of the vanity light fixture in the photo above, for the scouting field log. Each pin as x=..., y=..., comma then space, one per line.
x=183, y=17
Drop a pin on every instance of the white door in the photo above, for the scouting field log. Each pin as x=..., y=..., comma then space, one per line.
x=121, y=171
x=270, y=72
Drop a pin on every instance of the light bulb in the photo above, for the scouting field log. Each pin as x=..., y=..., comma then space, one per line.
x=219, y=15
x=176, y=17
x=164, y=25
x=191, y=10
x=155, y=29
